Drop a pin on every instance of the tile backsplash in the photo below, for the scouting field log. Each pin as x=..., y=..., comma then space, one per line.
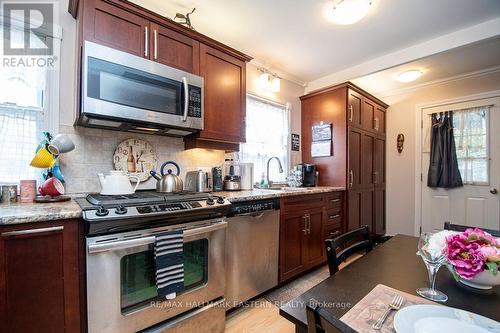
x=94, y=153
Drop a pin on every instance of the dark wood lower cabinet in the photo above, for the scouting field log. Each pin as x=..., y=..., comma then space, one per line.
x=39, y=277
x=306, y=221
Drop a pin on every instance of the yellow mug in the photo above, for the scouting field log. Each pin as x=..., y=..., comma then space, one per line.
x=43, y=159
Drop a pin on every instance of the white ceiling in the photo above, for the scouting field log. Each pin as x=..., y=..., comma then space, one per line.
x=467, y=60
x=292, y=36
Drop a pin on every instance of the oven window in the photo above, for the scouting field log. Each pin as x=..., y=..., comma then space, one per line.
x=137, y=276
x=127, y=86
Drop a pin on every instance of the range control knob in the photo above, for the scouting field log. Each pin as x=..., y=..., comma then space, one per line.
x=220, y=200
x=101, y=211
x=121, y=210
x=210, y=201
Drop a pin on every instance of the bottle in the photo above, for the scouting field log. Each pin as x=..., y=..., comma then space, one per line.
x=263, y=181
x=130, y=161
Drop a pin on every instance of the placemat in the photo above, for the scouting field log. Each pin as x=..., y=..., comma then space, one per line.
x=362, y=316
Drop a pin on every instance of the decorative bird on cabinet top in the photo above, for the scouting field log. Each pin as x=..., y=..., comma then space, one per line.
x=185, y=19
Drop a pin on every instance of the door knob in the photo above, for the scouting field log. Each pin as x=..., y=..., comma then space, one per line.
x=493, y=191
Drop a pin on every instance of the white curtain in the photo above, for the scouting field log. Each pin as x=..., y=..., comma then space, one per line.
x=471, y=140
x=267, y=135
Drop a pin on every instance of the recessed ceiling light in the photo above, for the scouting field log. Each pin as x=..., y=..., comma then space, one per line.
x=347, y=11
x=410, y=75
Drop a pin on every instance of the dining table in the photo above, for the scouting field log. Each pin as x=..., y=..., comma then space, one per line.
x=395, y=264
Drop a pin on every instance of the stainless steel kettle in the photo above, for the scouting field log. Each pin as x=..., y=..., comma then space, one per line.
x=168, y=182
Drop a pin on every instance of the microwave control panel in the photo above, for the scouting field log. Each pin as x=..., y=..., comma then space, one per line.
x=195, y=101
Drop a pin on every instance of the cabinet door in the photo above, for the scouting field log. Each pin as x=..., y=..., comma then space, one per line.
x=313, y=239
x=367, y=148
x=224, y=100
x=353, y=210
x=292, y=232
x=39, y=285
x=174, y=49
x=354, y=167
x=379, y=211
x=379, y=120
x=354, y=108
x=117, y=28
x=368, y=115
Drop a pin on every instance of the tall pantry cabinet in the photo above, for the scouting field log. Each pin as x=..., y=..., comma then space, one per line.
x=358, y=150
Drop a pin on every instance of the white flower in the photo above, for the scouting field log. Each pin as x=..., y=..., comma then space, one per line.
x=437, y=243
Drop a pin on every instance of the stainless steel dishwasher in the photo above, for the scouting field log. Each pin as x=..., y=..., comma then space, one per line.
x=252, y=245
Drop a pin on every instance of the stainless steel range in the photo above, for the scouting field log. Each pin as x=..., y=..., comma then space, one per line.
x=121, y=288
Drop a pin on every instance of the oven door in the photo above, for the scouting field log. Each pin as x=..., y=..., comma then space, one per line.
x=123, y=87
x=121, y=290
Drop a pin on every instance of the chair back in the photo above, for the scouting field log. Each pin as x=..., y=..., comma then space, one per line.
x=321, y=321
x=363, y=242
x=458, y=227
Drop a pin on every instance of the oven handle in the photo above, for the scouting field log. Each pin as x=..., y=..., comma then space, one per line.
x=186, y=98
x=130, y=243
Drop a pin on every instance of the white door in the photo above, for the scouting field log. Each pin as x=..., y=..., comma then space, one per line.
x=475, y=204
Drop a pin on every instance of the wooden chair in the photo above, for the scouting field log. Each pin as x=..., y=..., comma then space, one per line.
x=363, y=242
x=321, y=321
x=458, y=227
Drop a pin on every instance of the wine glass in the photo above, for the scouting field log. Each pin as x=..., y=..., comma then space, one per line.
x=433, y=259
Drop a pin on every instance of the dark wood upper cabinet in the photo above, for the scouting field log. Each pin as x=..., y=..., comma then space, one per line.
x=354, y=108
x=117, y=28
x=224, y=100
x=39, y=277
x=174, y=49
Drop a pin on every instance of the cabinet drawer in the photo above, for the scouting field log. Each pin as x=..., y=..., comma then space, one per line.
x=334, y=200
x=334, y=217
x=332, y=232
x=302, y=202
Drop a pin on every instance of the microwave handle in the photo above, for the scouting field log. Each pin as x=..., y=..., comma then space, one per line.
x=186, y=98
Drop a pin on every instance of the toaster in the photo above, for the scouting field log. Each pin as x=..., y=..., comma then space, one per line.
x=198, y=181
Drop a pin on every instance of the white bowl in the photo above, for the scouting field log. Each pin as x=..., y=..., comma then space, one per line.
x=483, y=280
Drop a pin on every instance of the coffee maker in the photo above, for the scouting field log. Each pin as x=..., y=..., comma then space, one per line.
x=308, y=174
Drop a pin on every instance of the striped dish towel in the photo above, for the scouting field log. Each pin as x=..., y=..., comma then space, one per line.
x=169, y=262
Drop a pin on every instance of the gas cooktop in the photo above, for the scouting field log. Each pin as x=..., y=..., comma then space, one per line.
x=107, y=213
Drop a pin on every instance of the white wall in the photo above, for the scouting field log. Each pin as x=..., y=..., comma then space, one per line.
x=401, y=118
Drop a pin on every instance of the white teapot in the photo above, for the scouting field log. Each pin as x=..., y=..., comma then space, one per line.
x=117, y=183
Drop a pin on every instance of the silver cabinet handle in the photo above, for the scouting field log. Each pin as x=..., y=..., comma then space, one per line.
x=31, y=231
x=156, y=44
x=304, y=218
x=146, y=42
x=334, y=200
x=376, y=123
x=309, y=224
x=375, y=177
x=334, y=216
x=186, y=98
x=351, y=178
x=350, y=113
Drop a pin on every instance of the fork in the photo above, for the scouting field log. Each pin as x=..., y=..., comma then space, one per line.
x=395, y=305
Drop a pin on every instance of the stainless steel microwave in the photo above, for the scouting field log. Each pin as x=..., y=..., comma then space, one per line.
x=125, y=92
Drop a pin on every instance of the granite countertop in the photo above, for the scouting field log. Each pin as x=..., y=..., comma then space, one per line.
x=257, y=194
x=38, y=212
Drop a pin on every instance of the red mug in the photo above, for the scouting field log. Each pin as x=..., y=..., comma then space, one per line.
x=52, y=187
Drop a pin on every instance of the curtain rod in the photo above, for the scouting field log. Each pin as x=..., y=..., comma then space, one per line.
x=263, y=99
x=464, y=109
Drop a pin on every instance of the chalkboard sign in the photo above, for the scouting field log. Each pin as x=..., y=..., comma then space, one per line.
x=295, y=142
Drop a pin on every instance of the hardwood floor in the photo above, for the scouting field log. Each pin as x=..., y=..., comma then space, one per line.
x=263, y=316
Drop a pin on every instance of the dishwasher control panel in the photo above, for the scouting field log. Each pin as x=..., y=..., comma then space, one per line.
x=249, y=207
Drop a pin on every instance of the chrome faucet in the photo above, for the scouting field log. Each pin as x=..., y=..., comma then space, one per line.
x=269, y=183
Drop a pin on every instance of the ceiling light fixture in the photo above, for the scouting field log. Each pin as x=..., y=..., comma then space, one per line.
x=269, y=81
x=347, y=11
x=409, y=75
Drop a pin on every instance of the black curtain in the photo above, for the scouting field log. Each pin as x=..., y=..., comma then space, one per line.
x=443, y=165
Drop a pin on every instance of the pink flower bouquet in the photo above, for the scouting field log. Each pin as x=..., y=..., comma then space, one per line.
x=471, y=253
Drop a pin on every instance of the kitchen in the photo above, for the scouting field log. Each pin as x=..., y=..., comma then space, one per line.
x=147, y=127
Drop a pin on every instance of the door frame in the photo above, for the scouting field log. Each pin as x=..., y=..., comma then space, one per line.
x=418, y=144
